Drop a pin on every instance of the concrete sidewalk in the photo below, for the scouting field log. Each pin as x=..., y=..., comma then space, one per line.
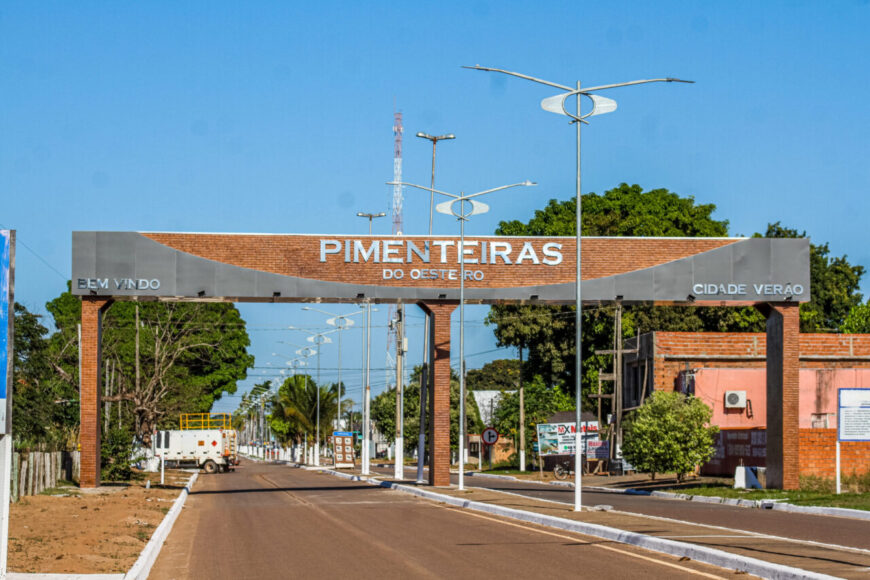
x=740, y=550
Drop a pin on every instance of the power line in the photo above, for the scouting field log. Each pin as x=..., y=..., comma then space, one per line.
x=18, y=240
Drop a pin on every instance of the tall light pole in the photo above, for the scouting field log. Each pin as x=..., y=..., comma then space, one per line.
x=370, y=217
x=600, y=105
x=366, y=451
x=434, y=140
x=468, y=206
x=340, y=321
x=424, y=376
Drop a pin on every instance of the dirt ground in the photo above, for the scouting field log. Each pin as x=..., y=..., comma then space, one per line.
x=89, y=531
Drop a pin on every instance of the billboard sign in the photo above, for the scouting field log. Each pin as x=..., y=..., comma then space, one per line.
x=558, y=438
x=853, y=418
x=7, y=317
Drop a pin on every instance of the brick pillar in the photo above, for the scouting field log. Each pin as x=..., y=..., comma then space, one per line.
x=90, y=389
x=783, y=393
x=439, y=393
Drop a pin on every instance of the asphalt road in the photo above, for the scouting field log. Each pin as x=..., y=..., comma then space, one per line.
x=825, y=529
x=273, y=521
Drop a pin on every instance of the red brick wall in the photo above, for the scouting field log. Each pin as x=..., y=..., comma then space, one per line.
x=706, y=349
x=297, y=255
x=817, y=454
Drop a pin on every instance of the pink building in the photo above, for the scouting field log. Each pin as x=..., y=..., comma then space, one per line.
x=727, y=371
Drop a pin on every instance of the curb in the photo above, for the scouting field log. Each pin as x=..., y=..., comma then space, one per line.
x=517, y=479
x=776, y=505
x=149, y=555
x=699, y=553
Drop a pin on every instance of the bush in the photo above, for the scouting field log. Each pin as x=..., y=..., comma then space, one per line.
x=669, y=433
x=116, y=455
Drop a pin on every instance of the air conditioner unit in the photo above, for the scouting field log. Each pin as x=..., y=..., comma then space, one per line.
x=735, y=399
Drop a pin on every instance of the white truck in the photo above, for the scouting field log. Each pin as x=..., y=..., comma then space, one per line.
x=212, y=450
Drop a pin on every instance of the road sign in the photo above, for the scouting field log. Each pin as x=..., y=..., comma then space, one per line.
x=489, y=436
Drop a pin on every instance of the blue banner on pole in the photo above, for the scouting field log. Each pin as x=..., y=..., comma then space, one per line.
x=6, y=314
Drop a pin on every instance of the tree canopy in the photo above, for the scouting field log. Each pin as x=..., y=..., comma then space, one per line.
x=190, y=354
x=384, y=411
x=541, y=402
x=834, y=285
x=496, y=375
x=44, y=407
x=294, y=409
x=548, y=332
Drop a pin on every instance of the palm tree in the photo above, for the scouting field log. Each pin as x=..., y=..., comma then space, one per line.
x=296, y=404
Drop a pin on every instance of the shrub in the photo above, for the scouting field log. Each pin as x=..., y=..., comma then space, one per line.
x=669, y=433
x=116, y=455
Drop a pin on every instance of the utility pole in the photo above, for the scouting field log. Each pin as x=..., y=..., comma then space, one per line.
x=616, y=398
x=522, y=416
x=399, y=472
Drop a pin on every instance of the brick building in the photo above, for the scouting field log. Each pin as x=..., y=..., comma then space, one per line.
x=716, y=365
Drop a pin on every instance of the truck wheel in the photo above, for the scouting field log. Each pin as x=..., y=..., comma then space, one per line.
x=210, y=466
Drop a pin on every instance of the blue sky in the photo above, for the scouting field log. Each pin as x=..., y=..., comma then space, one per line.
x=277, y=117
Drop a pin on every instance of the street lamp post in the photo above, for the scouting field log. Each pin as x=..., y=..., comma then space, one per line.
x=366, y=451
x=464, y=212
x=434, y=140
x=424, y=376
x=341, y=322
x=600, y=106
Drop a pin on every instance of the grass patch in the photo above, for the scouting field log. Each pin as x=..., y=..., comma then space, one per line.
x=64, y=490
x=811, y=494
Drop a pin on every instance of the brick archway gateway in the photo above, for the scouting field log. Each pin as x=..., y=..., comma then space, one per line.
x=771, y=274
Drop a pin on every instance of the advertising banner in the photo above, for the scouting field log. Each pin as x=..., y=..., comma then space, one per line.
x=558, y=438
x=7, y=316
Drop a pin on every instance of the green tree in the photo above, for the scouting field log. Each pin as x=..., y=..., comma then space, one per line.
x=669, y=433
x=548, y=331
x=384, y=411
x=858, y=320
x=540, y=401
x=495, y=375
x=45, y=410
x=834, y=285
x=293, y=410
x=190, y=354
